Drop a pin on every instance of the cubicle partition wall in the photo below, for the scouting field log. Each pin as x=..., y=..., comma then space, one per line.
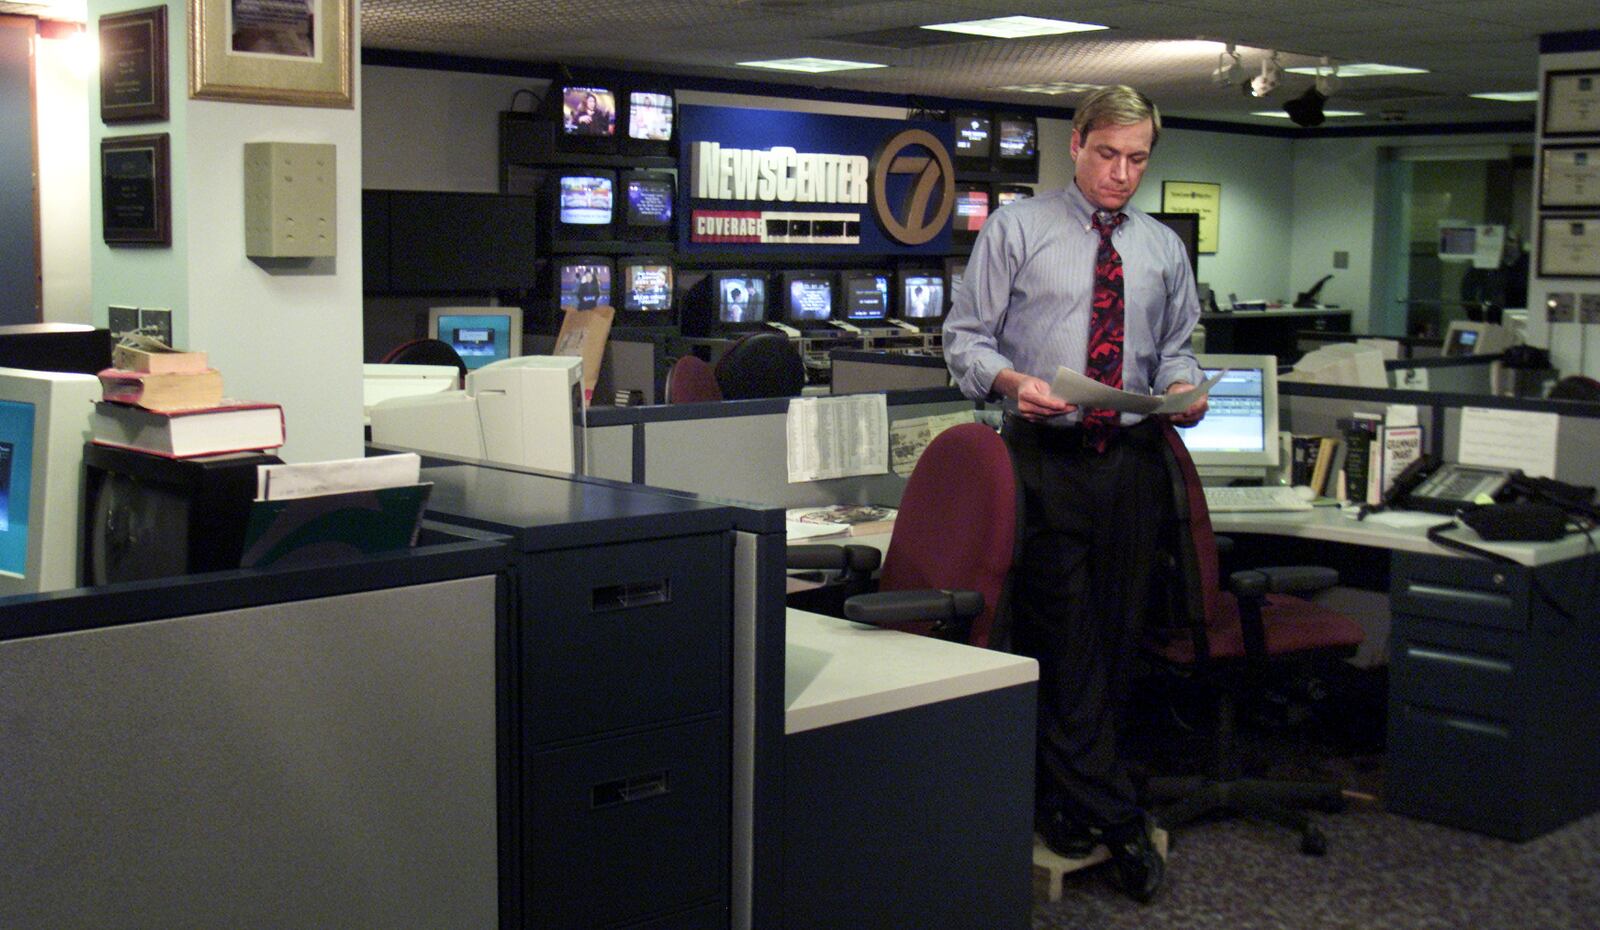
x=312, y=747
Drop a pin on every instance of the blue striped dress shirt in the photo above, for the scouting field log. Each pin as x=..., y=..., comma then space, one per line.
x=1024, y=302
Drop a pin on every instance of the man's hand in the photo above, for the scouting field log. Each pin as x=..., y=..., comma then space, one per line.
x=1034, y=400
x=1196, y=411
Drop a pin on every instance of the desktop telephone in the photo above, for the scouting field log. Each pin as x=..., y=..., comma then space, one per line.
x=1445, y=487
x=1523, y=508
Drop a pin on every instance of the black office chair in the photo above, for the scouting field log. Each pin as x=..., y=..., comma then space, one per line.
x=761, y=364
x=427, y=352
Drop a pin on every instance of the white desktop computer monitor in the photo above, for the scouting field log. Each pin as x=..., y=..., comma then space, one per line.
x=1239, y=436
x=1466, y=337
x=44, y=422
x=480, y=335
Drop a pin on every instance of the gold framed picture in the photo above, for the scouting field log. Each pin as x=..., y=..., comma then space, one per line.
x=289, y=52
x=1202, y=197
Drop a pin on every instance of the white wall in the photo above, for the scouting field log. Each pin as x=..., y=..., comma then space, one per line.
x=61, y=72
x=434, y=130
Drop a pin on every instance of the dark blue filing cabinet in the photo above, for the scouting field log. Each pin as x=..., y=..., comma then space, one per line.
x=621, y=703
x=1494, y=709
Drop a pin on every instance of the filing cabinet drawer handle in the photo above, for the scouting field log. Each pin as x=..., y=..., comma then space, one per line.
x=630, y=594
x=628, y=790
x=1458, y=595
x=1482, y=663
x=1461, y=722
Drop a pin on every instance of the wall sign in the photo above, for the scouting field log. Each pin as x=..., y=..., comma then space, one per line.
x=1200, y=197
x=779, y=181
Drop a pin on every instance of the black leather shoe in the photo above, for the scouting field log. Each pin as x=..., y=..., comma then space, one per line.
x=1138, y=867
x=1066, y=837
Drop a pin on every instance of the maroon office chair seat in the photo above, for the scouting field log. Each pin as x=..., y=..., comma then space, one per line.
x=1230, y=639
x=691, y=381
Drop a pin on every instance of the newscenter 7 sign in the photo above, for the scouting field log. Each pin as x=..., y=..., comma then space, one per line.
x=773, y=181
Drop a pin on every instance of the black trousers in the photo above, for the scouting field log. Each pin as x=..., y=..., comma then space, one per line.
x=1089, y=561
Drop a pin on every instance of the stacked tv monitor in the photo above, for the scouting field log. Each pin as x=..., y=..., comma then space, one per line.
x=864, y=296
x=606, y=116
x=1016, y=142
x=974, y=139
x=644, y=204
x=809, y=298
x=582, y=204
x=1007, y=194
x=922, y=296
x=644, y=288
x=726, y=301
x=582, y=282
x=999, y=142
x=974, y=202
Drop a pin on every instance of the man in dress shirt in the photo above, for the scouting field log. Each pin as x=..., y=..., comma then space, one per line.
x=1095, y=497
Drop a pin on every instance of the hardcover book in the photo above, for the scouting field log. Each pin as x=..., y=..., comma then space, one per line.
x=233, y=426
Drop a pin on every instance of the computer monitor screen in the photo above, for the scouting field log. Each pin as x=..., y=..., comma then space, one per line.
x=588, y=111
x=865, y=295
x=1462, y=342
x=479, y=335
x=807, y=298
x=1019, y=139
x=44, y=422
x=649, y=198
x=1005, y=194
x=646, y=286
x=741, y=297
x=972, y=209
x=583, y=283
x=649, y=115
x=16, y=481
x=974, y=135
x=1240, y=430
x=584, y=199
x=921, y=295
x=1458, y=241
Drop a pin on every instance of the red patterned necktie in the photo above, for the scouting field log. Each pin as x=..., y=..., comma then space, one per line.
x=1104, y=363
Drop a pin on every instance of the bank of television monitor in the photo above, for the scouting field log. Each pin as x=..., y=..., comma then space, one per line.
x=922, y=296
x=479, y=335
x=645, y=292
x=1187, y=226
x=739, y=298
x=973, y=204
x=582, y=282
x=863, y=296
x=1017, y=142
x=808, y=298
x=583, y=202
x=44, y=422
x=1006, y=194
x=588, y=117
x=1239, y=435
x=645, y=208
x=974, y=138
x=648, y=121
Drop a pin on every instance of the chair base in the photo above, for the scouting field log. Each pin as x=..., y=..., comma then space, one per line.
x=1272, y=800
x=1050, y=868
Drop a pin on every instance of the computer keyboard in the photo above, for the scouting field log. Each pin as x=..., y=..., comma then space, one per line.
x=1264, y=497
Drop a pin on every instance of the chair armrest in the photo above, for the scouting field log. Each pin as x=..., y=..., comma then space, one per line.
x=1282, y=579
x=1224, y=545
x=852, y=558
x=951, y=612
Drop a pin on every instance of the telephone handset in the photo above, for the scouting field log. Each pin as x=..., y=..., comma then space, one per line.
x=1435, y=487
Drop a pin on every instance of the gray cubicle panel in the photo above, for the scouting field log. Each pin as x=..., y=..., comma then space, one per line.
x=856, y=371
x=297, y=748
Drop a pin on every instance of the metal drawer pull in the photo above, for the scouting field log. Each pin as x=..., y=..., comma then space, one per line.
x=628, y=790
x=1481, y=598
x=1457, y=722
x=1499, y=666
x=632, y=594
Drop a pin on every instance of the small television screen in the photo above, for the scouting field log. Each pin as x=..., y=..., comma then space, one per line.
x=1462, y=342
x=1019, y=139
x=974, y=135
x=16, y=481
x=865, y=295
x=650, y=116
x=584, y=199
x=921, y=295
x=588, y=111
x=741, y=297
x=1005, y=194
x=807, y=297
x=972, y=209
x=649, y=198
x=583, y=283
x=646, y=286
x=479, y=335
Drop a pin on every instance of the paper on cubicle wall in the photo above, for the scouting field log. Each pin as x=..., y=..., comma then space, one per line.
x=836, y=437
x=1075, y=388
x=908, y=438
x=1509, y=439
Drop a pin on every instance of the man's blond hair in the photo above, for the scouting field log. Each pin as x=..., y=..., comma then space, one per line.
x=1117, y=105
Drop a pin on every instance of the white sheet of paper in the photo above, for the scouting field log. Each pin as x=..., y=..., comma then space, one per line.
x=835, y=437
x=1075, y=388
x=1509, y=439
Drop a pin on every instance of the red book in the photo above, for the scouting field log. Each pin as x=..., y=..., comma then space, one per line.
x=233, y=426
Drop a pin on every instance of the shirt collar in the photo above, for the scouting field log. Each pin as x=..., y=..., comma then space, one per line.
x=1081, y=210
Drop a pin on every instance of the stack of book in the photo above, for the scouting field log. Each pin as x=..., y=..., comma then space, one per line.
x=165, y=402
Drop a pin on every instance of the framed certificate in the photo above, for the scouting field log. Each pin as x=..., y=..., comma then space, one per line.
x=1569, y=176
x=1572, y=103
x=133, y=66
x=135, y=190
x=1202, y=197
x=1569, y=246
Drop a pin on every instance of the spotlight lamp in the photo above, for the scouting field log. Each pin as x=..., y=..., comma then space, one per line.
x=1229, y=65
x=1327, y=77
x=1267, y=81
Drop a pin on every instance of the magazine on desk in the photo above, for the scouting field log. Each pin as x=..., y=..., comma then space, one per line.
x=839, y=520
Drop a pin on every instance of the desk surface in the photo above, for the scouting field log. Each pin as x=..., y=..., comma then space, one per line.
x=1334, y=525
x=837, y=671
x=1210, y=315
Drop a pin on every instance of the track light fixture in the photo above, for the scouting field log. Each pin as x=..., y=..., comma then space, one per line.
x=1306, y=109
x=1327, y=77
x=1267, y=81
x=1229, y=66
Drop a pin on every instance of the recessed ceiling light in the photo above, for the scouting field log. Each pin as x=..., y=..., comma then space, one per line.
x=810, y=65
x=1053, y=88
x=1361, y=70
x=1015, y=27
x=1279, y=114
x=1511, y=96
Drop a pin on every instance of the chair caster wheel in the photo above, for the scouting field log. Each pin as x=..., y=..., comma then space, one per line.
x=1313, y=843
